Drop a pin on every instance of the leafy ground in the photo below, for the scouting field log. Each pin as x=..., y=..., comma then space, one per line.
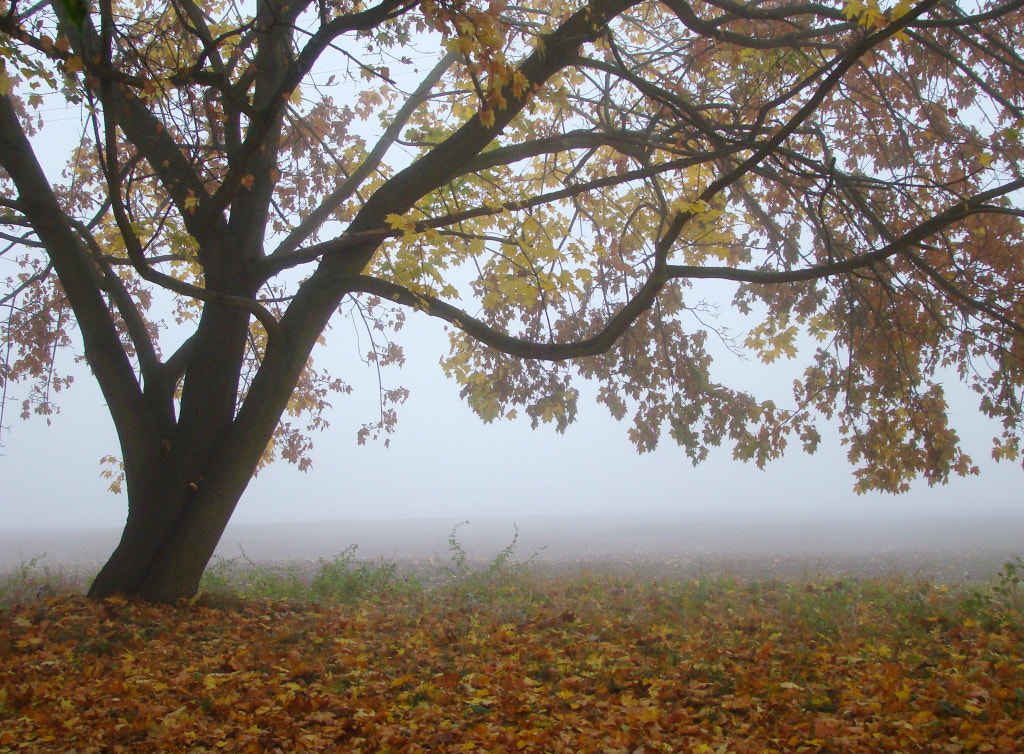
x=364, y=659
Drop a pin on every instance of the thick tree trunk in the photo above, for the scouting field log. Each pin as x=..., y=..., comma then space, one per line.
x=174, y=523
x=133, y=559
x=174, y=526
x=177, y=518
x=161, y=561
x=189, y=481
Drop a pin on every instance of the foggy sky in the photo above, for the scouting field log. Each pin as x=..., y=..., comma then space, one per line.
x=444, y=462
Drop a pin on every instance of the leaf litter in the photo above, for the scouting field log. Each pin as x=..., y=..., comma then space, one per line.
x=587, y=662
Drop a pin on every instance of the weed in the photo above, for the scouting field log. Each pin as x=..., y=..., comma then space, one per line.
x=502, y=563
x=344, y=579
x=457, y=566
x=217, y=579
x=503, y=579
x=1010, y=581
x=255, y=580
x=29, y=582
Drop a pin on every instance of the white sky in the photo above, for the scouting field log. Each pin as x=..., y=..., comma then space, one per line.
x=444, y=462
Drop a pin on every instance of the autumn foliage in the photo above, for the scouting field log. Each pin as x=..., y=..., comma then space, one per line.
x=555, y=182
x=588, y=662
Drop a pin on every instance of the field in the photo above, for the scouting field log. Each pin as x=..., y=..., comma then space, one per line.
x=363, y=656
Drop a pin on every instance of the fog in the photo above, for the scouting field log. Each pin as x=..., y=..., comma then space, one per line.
x=585, y=489
x=444, y=462
x=583, y=494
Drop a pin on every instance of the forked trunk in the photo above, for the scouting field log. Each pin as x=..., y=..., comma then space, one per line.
x=169, y=538
x=177, y=517
x=178, y=510
x=158, y=562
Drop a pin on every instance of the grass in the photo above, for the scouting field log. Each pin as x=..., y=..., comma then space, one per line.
x=346, y=579
x=360, y=655
x=35, y=579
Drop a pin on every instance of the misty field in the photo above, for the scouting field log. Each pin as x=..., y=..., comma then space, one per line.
x=361, y=657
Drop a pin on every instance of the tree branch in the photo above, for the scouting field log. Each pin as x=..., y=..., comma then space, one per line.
x=349, y=239
x=147, y=133
x=267, y=115
x=646, y=295
x=957, y=295
x=840, y=65
x=685, y=13
x=111, y=170
x=27, y=283
x=911, y=239
x=520, y=347
x=149, y=362
x=103, y=348
x=337, y=197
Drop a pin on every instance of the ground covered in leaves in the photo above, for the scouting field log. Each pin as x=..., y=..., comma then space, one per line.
x=530, y=662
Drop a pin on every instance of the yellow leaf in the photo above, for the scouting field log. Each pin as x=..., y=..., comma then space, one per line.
x=397, y=222
x=853, y=9
x=74, y=64
x=461, y=45
x=901, y=9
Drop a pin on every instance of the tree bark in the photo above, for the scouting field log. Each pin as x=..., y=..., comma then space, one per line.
x=162, y=559
x=162, y=501
x=177, y=518
x=185, y=475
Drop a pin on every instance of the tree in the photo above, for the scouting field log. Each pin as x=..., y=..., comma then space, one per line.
x=555, y=188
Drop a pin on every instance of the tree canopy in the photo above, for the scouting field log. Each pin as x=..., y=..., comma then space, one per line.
x=553, y=180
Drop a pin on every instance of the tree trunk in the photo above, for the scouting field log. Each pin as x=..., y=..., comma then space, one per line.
x=157, y=562
x=161, y=556
x=177, y=517
x=133, y=559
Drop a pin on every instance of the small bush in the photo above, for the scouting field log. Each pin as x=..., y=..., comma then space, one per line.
x=244, y=577
x=1010, y=582
x=345, y=579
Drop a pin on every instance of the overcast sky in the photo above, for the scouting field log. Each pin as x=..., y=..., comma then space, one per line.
x=444, y=462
